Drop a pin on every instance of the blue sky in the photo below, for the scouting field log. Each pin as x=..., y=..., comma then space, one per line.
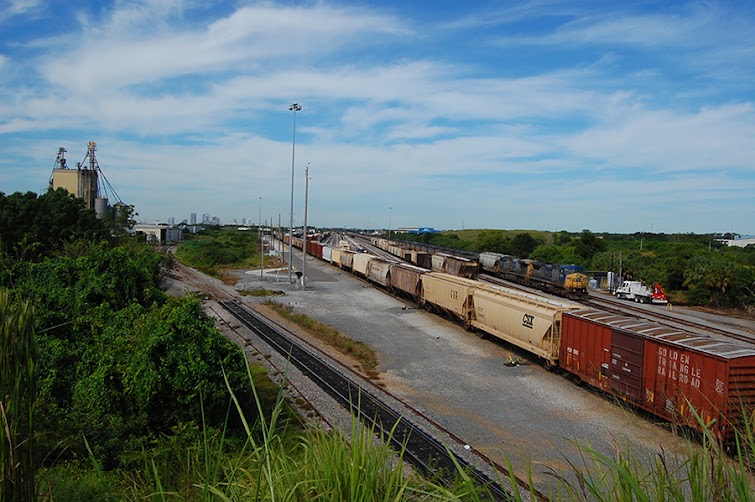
x=611, y=116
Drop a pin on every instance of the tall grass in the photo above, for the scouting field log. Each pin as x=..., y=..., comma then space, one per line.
x=17, y=389
x=331, y=336
x=275, y=462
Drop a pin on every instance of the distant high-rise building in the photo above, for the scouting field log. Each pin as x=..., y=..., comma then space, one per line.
x=193, y=218
x=171, y=221
x=206, y=219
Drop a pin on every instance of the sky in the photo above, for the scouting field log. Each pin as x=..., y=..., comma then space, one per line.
x=545, y=115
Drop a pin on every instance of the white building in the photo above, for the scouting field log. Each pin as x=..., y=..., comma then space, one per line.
x=159, y=233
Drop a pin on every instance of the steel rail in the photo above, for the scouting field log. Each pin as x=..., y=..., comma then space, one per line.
x=423, y=451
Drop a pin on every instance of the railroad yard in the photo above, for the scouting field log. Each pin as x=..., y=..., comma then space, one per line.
x=491, y=396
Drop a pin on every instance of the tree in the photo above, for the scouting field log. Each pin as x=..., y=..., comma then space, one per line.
x=715, y=280
x=32, y=227
x=588, y=244
x=493, y=241
x=522, y=245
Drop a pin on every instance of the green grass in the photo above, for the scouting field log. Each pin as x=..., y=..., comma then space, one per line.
x=18, y=358
x=332, y=337
x=260, y=292
x=273, y=462
x=218, y=249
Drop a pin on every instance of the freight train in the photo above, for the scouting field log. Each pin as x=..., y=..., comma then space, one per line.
x=687, y=379
x=565, y=280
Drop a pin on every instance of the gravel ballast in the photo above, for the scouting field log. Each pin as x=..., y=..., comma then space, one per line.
x=524, y=414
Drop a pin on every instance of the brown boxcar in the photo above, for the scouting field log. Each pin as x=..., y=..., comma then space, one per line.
x=314, y=248
x=676, y=375
x=407, y=279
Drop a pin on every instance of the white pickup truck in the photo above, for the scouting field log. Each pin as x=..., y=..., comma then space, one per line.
x=635, y=290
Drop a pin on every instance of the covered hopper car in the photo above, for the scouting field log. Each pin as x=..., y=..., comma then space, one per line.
x=684, y=378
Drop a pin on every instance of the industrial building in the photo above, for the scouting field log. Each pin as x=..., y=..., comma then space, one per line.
x=159, y=233
x=86, y=181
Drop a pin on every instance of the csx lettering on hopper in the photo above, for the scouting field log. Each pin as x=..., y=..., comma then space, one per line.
x=684, y=378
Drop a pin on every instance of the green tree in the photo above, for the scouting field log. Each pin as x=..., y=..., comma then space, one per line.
x=549, y=253
x=32, y=227
x=588, y=244
x=719, y=282
x=523, y=244
x=493, y=241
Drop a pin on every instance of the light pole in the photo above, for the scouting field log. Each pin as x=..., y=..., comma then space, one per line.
x=295, y=107
x=304, y=256
x=262, y=245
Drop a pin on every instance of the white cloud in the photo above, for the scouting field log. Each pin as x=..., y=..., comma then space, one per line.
x=194, y=102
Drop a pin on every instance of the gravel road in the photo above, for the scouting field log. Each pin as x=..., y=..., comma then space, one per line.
x=524, y=414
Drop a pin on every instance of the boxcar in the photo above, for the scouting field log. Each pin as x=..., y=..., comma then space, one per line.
x=327, y=253
x=529, y=321
x=676, y=375
x=314, y=248
x=379, y=271
x=407, y=279
x=449, y=293
x=344, y=258
x=396, y=251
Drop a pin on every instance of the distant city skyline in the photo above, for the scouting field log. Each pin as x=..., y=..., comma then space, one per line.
x=609, y=116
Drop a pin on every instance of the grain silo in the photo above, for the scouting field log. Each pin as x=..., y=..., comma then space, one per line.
x=86, y=181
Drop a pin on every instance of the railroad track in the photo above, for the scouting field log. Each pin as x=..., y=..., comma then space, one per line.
x=425, y=453
x=661, y=317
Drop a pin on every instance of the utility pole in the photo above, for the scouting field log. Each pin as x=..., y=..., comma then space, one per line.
x=304, y=256
x=262, y=243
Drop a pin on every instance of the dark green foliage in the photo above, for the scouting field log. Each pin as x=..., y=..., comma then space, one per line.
x=588, y=244
x=696, y=269
x=549, y=253
x=32, y=227
x=141, y=372
x=523, y=244
x=180, y=364
x=119, y=361
x=493, y=241
x=218, y=246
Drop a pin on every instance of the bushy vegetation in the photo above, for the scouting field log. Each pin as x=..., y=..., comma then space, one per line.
x=119, y=363
x=217, y=247
x=110, y=390
x=695, y=269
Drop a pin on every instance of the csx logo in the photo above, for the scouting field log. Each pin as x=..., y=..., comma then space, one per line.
x=528, y=320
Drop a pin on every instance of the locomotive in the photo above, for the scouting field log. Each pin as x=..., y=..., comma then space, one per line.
x=685, y=378
x=564, y=280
